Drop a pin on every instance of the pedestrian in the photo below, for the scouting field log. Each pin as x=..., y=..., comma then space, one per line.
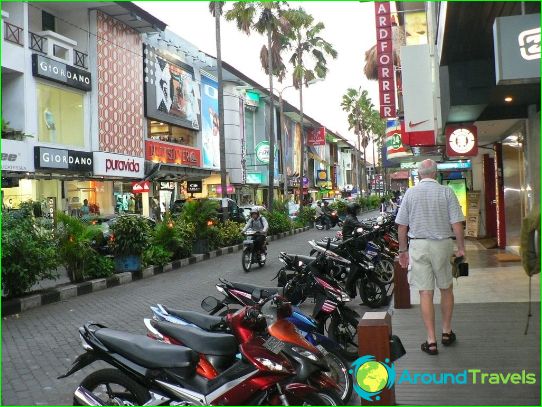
x=131, y=204
x=382, y=205
x=431, y=216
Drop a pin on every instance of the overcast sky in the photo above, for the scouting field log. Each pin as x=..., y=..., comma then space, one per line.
x=350, y=27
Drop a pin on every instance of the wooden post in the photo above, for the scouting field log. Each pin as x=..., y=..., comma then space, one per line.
x=374, y=331
x=401, y=289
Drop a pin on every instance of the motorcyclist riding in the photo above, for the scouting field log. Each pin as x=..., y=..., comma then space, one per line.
x=327, y=215
x=351, y=221
x=319, y=213
x=259, y=224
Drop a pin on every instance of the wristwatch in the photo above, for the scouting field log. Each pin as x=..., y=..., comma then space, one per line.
x=403, y=251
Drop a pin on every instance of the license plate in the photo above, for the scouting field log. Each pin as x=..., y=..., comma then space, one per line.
x=274, y=345
x=322, y=349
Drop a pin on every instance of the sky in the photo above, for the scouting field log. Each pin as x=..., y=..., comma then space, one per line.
x=350, y=28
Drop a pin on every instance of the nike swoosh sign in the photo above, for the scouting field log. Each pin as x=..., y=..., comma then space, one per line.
x=410, y=124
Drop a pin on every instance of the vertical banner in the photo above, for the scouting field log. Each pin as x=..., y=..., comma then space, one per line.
x=384, y=52
x=210, y=123
x=394, y=145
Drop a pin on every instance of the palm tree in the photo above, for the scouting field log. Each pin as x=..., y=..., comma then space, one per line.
x=216, y=8
x=359, y=106
x=265, y=18
x=309, y=62
x=378, y=131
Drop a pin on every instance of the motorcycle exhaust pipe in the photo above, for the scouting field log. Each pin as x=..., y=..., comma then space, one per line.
x=86, y=398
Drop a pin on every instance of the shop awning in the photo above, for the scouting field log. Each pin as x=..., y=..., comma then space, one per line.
x=178, y=173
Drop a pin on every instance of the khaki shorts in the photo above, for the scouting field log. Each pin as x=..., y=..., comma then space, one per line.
x=430, y=261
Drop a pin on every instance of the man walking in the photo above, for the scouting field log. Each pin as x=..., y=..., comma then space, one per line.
x=431, y=215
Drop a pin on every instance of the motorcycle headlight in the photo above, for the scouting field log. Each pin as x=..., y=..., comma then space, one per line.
x=305, y=353
x=270, y=364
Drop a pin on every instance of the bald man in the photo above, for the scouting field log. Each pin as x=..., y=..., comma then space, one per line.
x=429, y=218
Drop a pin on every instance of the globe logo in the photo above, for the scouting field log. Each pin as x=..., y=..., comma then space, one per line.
x=371, y=377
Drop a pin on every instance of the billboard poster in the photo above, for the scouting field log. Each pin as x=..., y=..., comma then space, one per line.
x=210, y=123
x=171, y=91
x=297, y=148
x=459, y=187
x=289, y=134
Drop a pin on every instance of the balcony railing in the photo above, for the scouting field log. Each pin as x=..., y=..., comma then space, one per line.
x=13, y=34
x=80, y=59
x=37, y=43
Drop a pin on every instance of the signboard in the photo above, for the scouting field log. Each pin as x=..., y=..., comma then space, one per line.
x=68, y=75
x=17, y=156
x=384, y=52
x=51, y=209
x=210, y=123
x=116, y=165
x=171, y=91
x=461, y=141
x=322, y=175
x=194, y=187
x=516, y=42
x=167, y=186
x=254, y=178
x=169, y=154
x=419, y=123
x=140, y=187
x=262, y=152
x=316, y=137
x=230, y=189
x=80, y=161
x=456, y=165
x=394, y=144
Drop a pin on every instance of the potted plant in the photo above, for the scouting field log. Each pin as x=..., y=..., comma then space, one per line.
x=128, y=240
x=12, y=134
x=202, y=213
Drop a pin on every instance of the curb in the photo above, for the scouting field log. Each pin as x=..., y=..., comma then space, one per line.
x=18, y=305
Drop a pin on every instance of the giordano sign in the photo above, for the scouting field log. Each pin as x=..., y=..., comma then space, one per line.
x=68, y=75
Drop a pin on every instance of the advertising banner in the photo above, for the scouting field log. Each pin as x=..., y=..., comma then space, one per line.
x=210, y=123
x=394, y=145
x=171, y=91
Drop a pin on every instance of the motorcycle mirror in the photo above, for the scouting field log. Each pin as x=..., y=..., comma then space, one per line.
x=210, y=303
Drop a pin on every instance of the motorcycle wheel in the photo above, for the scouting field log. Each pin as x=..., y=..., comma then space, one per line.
x=385, y=271
x=339, y=373
x=262, y=263
x=344, y=331
x=247, y=259
x=372, y=292
x=112, y=386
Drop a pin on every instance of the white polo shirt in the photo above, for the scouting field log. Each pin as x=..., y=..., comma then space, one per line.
x=429, y=209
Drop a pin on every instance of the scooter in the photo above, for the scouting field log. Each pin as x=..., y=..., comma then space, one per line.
x=250, y=255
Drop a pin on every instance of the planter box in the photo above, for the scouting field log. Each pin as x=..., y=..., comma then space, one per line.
x=127, y=263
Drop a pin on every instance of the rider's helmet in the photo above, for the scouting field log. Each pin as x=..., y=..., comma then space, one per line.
x=353, y=208
x=255, y=210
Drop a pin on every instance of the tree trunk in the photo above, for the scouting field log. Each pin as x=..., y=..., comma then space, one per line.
x=283, y=138
x=222, y=138
x=374, y=165
x=302, y=152
x=271, y=124
x=364, y=172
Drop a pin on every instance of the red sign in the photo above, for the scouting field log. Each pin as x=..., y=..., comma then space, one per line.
x=316, y=137
x=461, y=141
x=384, y=52
x=417, y=138
x=170, y=154
x=140, y=187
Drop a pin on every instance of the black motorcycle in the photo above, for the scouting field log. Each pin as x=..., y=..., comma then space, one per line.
x=329, y=220
x=250, y=254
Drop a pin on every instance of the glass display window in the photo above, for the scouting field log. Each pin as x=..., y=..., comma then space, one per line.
x=160, y=131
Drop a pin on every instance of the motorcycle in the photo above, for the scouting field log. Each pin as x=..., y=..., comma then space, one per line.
x=336, y=367
x=306, y=325
x=250, y=255
x=329, y=220
x=148, y=372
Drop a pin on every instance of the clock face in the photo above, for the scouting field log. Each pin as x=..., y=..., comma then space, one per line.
x=462, y=141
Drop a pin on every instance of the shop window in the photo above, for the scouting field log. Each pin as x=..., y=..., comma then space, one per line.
x=13, y=196
x=125, y=200
x=172, y=134
x=47, y=21
x=60, y=116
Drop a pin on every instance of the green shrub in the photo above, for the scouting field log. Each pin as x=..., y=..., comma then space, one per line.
x=175, y=236
x=202, y=213
x=156, y=255
x=99, y=267
x=29, y=254
x=75, y=240
x=374, y=201
x=229, y=233
x=280, y=205
x=278, y=222
x=129, y=235
x=306, y=216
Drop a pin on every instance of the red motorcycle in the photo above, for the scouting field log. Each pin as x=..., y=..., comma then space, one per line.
x=250, y=324
x=148, y=372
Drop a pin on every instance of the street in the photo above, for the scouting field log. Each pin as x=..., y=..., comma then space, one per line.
x=39, y=345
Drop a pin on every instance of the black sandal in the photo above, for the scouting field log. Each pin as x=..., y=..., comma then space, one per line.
x=448, y=339
x=430, y=348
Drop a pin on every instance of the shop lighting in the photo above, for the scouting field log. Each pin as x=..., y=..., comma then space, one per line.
x=508, y=99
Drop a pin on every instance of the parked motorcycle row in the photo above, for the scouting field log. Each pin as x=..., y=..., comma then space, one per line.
x=254, y=346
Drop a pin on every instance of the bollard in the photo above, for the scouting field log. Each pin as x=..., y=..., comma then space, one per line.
x=401, y=289
x=374, y=331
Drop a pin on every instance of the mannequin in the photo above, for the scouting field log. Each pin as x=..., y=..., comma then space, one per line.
x=49, y=119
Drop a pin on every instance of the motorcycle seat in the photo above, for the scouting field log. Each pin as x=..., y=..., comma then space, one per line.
x=145, y=351
x=332, y=246
x=204, y=321
x=250, y=288
x=304, y=259
x=208, y=343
